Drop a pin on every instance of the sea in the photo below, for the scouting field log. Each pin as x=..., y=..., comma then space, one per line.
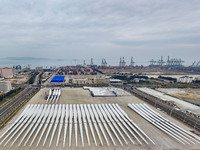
x=36, y=63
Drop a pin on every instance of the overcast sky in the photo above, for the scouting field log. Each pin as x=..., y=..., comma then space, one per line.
x=81, y=29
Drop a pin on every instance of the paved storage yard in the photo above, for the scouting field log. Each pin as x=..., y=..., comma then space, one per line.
x=80, y=96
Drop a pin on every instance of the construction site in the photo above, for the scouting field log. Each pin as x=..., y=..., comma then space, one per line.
x=76, y=118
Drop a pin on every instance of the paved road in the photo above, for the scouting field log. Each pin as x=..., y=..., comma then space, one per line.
x=36, y=82
x=7, y=110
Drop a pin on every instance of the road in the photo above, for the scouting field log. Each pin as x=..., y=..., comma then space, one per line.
x=36, y=82
x=10, y=108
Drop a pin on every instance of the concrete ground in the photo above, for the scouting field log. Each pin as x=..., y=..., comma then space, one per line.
x=80, y=96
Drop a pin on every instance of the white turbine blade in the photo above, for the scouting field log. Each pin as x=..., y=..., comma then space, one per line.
x=95, y=124
x=70, y=124
x=116, y=121
x=109, y=106
x=134, y=124
x=49, y=95
x=61, y=124
x=85, y=124
x=23, y=114
x=90, y=124
x=66, y=124
x=75, y=124
x=59, y=93
x=41, y=124
x=80, y=124
x=28, y=123
x=99, y=123
x=18, y=125
x=157, y=125
x=106, y=116
x=51, y=124
x=104, y=123
x=47, y=123
x=38, y=114
x=56, y=123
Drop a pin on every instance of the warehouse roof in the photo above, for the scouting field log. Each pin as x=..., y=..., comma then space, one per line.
x=58, y=79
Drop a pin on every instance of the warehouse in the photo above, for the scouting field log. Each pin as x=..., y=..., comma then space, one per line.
x=58, y=79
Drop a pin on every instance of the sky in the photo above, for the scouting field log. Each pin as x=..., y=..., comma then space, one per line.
x=84, y=29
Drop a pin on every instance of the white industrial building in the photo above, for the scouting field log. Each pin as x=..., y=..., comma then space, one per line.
x=5, y=86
